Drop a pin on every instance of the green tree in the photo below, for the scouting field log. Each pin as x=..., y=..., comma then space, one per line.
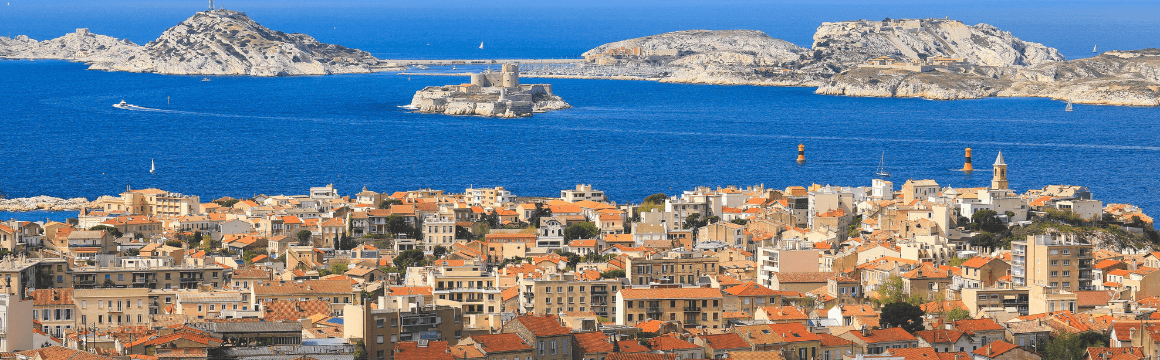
x=360, y=350
x=904, y=315
x=693, y=221
x=956, y=261
x=338, y=267
x=612, y=274
x=573, y=258
x=656, y=199
x=303, y=237
x=492, y=219
x=111, y=229
x=891, y=291
x=109, y=283
x=397, y=224
x=581, y=230
x=345, y=242
x=957, y=314
x=409, y=258
x=541, y=211
x=986, y=239
x=1071, y=346
x=462, y=233
x=386, y=204
x=248, y=256
x=987, y=220
x=739, y=221
x=173, y=243
x=439, y=251
x=855, y=228
x=194, y=239
x=226, y=202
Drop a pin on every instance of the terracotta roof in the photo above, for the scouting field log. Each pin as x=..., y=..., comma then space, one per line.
x=994, y=349
x=1092, y=298
x=784, y=313
x=669, y=343
x=750, y=289
x=593, y=342
x=52, y=296
x=407, y=290
x=312, y=287
x=977, y=262
x=971, y=326
x=831, y=340
x=466, y=352
x=410, y=350
x=1106, y=264
x=884, y=335
x=675, y=293
x=639, y=356
x=61, y=353
x=496, y=343
x=725, y=341
x=294, y=310
x=543, y=325
x=793, y=332
x=804, y=277
x=1112, y=352
x=922, y=353
x=940, y=335
x=932, y=271
x=653, y=326
x=631, y=346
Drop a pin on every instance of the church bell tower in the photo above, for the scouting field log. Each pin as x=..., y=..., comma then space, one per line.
x=999, y=178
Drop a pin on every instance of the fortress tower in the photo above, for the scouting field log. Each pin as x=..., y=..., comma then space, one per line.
x=999, y=178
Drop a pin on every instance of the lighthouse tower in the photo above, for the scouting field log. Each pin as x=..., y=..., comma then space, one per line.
x=999, y=178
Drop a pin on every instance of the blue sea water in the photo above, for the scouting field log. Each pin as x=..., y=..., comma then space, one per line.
x=239, y=136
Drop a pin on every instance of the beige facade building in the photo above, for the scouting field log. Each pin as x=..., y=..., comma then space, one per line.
x=1058, y=261
x=557, y=293
x=152, y=202
x=689, y=306
x=677, y=268
x=111, y=308
x=400, y=318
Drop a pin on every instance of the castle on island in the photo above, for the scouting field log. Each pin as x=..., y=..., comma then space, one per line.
x=489, y=93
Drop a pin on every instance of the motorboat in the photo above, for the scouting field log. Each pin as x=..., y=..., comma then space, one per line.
x=123, y=105
x=204, y=79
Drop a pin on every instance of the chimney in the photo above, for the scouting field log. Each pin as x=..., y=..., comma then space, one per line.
x=866, y=331
x=988, y=350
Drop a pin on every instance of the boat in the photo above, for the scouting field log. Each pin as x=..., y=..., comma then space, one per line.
x=1094, y=48
x=480, y=44
x=204, y=79
x=122, y=105
x=881, y=171
x=1068, y=108
x=422, y=67
x=454, y=68
x=152, y=166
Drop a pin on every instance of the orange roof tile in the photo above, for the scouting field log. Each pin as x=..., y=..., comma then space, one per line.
x=994, y=349
x=674, y=293
x=725, y=341
x=499, y=343
x=543, y=325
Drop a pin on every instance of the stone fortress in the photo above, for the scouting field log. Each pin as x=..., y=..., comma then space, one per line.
x=497, y=94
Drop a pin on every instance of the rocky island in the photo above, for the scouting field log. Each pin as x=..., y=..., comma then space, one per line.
x=489, y=94
x=928, y=58
x=214, y=42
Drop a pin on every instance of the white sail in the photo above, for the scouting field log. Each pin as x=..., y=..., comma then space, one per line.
x=1094, y=49
x=480, y=44
x=152, y=166
x=1068, y=108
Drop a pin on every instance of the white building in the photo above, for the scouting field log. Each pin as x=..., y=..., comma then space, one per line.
x=583, y=192
x=15, y=324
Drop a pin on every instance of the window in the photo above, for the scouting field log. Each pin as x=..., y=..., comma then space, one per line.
x=540, y=348
x=1066, y=284
x=120, y=277
x=1054, y=273
x=982, y=296
x=1054, y=262
x=1067, y=251
x=1067, y=263
x=379, y=339
x=552, y=347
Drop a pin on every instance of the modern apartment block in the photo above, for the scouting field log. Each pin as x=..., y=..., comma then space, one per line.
x=1058, y=261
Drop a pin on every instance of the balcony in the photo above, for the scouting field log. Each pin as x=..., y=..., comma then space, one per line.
x=417, y=328
x=530, y=296
x=692, y=309
x=653, y=310
x=596, y=291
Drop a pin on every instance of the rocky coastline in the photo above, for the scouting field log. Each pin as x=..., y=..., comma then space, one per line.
x=216, y=42
x=43, y=203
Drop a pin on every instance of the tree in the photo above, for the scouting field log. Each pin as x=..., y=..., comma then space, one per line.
x=303, y=237
x=345, y=242
x=581, y=230
x=904, y=315
x=739, y=221
x=111, y=229
x=386, y=204
x=612, y=274
x=439, y=251
x=396, y=225
x=249, y=255
x=957, y=314
x=173, y=243
x=462, y=233
x=360, y=350
x=573, y=258
x=956, y=261
x=338, y=267
x=541, y=211
x=226, y=202
x=985, y=239
x=194, y=239
x=492, y=219
x=693, y=221
x=1070, y=346
x=987, y=220
x=109, y=283
x=891, y=291
x=409, y=258
x=656, y=199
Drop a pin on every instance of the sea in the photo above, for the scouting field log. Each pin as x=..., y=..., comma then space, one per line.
x=242, y=136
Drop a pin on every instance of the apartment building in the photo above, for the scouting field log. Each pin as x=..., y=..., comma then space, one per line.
x=556, y=293
x=112, y=308
x=1059, y=261
x=400, y=318
x=690, y=306
x=338, y=292
x=463, y=283
x=151, y=202
x=673, y=267
x=551, y=339
x=15, y=325
x=488, y=197
x=583, y=192
x=55, y=310
x=143, y=273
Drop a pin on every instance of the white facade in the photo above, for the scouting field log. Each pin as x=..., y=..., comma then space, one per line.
x=15, y=324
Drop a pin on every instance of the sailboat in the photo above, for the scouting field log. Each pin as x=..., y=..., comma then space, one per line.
x=480, y=44
x=152, y=166
x=881, y=171
x=1068, y=108
x=1094, y=48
